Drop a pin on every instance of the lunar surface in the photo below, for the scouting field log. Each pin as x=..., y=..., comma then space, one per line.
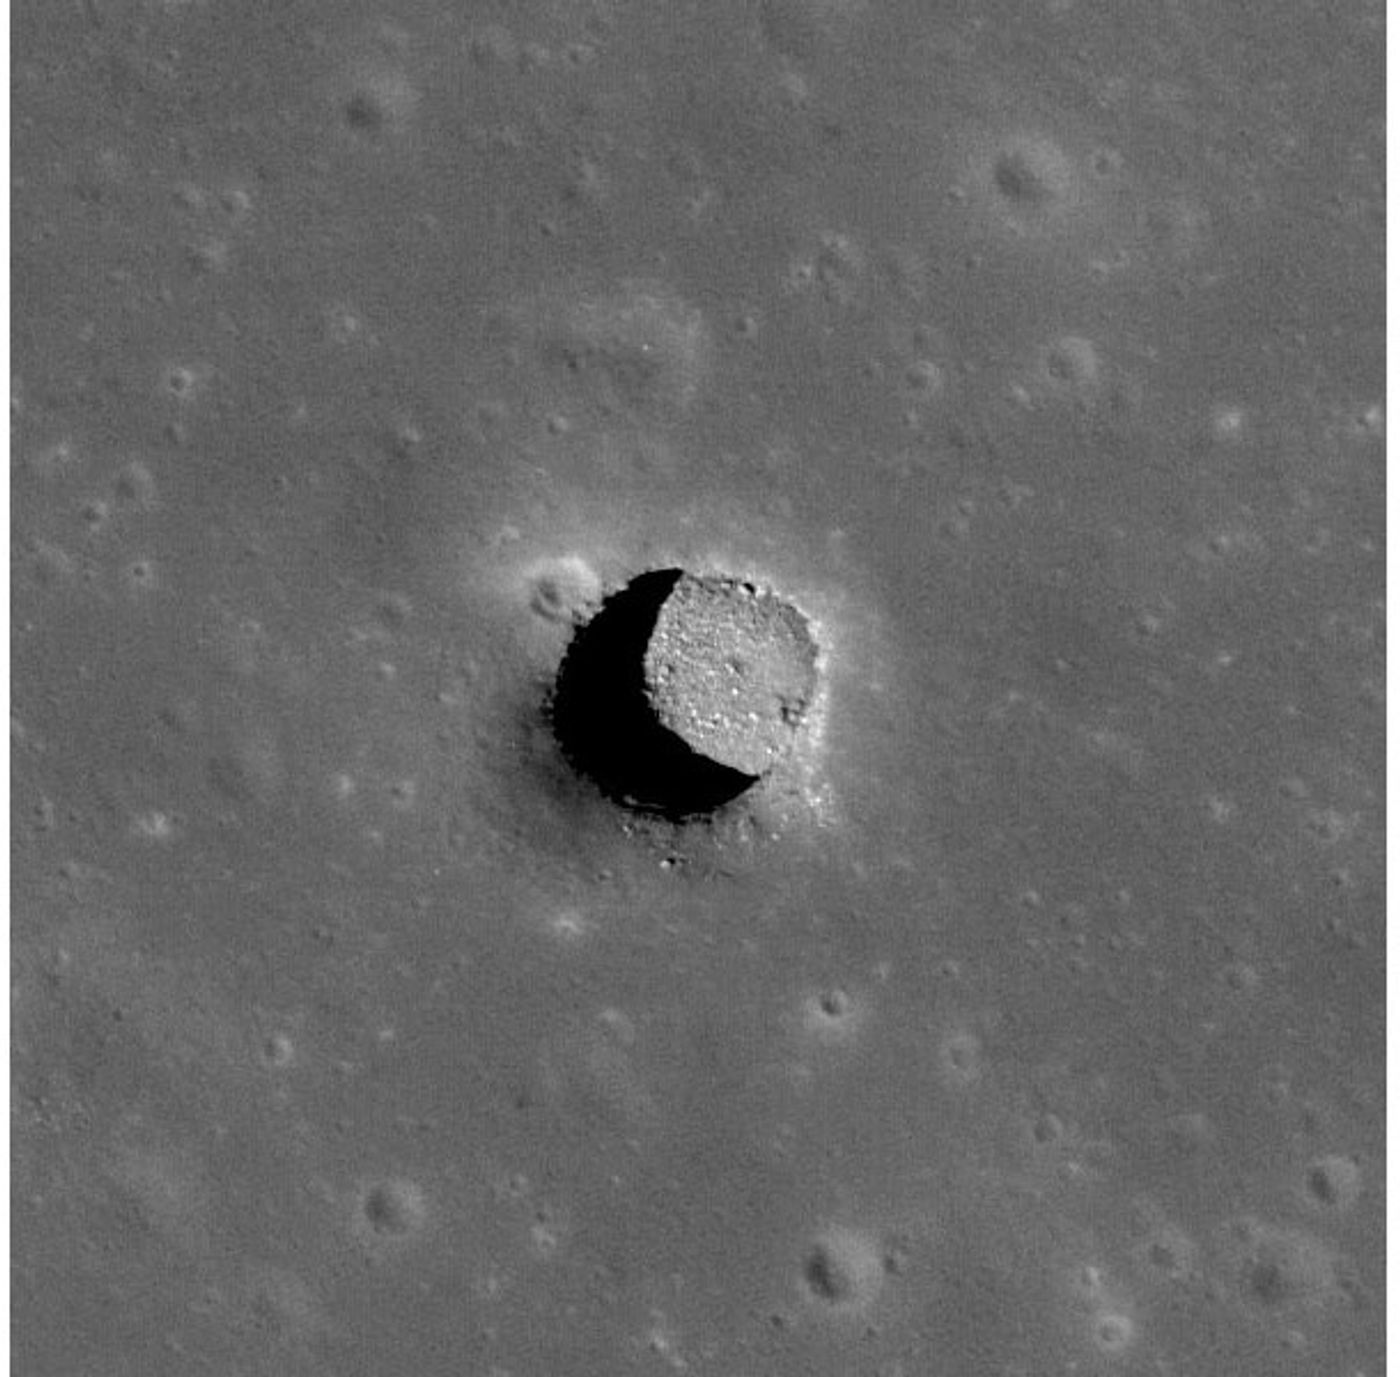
x=697, y=688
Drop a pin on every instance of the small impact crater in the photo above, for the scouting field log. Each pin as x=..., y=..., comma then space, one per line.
x=832, y=1016
x=1333, y=1182
x=1032, y=174
x=394, y=1209
x=684, y=691
x=844, y=1270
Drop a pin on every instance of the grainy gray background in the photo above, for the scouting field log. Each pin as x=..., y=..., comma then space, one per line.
x=1033, y=1025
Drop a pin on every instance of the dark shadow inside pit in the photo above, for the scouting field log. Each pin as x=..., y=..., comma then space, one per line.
x=605, y=724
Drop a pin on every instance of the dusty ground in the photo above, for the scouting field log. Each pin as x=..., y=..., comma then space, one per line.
x=1031, y=1021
